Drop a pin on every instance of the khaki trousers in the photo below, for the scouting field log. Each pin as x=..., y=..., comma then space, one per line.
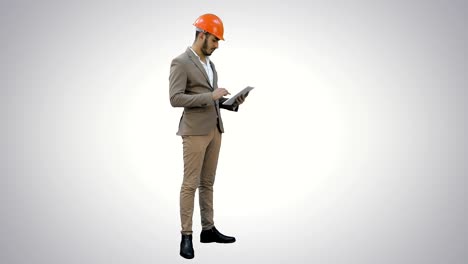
x=200, y=163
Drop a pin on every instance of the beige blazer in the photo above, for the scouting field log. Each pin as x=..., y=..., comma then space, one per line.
x=190, y=88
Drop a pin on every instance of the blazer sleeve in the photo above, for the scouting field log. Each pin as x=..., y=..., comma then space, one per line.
x=177, y=86
x=234, y=107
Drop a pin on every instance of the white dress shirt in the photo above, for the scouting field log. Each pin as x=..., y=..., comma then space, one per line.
x=206, y=65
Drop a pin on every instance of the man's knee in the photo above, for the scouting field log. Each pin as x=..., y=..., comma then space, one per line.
x=188, y=188
x=206, y=184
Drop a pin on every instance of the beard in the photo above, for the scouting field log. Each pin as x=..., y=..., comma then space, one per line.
x=205, y=50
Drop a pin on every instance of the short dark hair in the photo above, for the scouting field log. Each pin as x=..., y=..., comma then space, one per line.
x=206, y=34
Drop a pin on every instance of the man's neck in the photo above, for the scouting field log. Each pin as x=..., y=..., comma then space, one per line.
x=199, y=53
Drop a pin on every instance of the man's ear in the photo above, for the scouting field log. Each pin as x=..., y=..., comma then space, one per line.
x=200, y=36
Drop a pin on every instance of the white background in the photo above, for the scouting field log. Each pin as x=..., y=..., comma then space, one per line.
x=351, y=149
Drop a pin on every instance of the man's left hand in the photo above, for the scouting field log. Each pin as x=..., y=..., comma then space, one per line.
x=241, y=99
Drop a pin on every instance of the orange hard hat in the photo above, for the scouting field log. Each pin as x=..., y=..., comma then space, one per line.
x=211, y=24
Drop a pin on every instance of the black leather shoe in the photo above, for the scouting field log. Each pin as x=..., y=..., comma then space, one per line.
x=186, y=247
x=213, y=235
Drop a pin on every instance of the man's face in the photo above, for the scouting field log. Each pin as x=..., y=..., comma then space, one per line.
x=209, y=44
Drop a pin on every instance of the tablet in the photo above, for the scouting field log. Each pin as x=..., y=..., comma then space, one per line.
x=231, y=100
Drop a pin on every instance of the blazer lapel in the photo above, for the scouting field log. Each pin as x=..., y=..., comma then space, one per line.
x=197, y=63
x=215, y=75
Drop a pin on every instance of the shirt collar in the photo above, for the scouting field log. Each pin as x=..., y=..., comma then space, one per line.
x=207, y=57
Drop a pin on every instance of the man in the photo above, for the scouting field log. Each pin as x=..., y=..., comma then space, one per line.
x=193, y=85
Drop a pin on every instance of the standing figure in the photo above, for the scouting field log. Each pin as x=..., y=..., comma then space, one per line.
x=193, y=85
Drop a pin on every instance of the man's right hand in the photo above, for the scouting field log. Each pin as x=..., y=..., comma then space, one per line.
x=218, y=93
